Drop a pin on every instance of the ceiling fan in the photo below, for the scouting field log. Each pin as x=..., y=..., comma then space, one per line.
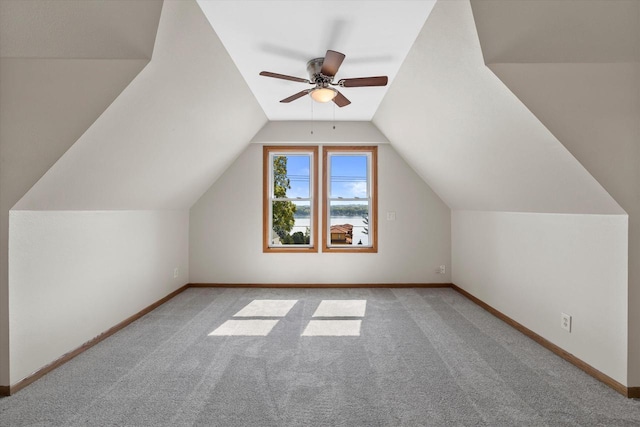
x=322, y=72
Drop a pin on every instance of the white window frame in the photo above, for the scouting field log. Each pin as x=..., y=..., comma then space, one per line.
x=371, y=199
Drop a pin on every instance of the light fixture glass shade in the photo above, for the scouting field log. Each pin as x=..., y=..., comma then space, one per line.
x=324, y=94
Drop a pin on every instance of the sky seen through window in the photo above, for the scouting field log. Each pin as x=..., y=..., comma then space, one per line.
x=348, y=176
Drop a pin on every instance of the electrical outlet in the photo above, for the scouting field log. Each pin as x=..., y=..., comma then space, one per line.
x=443, y=269
x=176, y=272
x=565, y=322
x=391, y=216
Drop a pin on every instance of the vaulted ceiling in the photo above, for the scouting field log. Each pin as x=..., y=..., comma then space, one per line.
x=576, y=67
x=199, y=102
x=62, y=64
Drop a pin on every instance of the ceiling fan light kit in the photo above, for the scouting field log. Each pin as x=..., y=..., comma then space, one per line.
x=324, y=94
x=322, y=72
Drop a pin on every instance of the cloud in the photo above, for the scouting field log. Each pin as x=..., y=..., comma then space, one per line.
x=358, y=189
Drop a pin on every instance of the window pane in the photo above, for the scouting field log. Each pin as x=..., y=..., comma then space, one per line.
x=348, y=176
x=291, y=176
x=291, y=223
x=349, y=223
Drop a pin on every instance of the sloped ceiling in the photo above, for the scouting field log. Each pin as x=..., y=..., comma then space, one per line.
x=580, y=77
x=579, y=31
x=61, y=64
x=168, y=136
x=594, y=111
x=470, y=138
x=78, y=29
x=177, y=127
x=46, y=105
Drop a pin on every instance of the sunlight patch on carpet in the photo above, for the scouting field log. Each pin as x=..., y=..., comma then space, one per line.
x=341, y=308
x=267, y=308
x=253, y=327
x=332, y=328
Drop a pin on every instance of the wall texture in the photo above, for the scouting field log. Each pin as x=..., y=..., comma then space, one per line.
x=72, y=101
x=581, y=79
x=594, y=110
x=475, y=144
x=62, y=64
x=182, y=138
x=533, y=267
x=226, y=233
x=73, y=275
x=46, y=105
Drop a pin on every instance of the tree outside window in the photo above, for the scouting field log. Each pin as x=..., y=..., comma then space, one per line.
x=289, y=199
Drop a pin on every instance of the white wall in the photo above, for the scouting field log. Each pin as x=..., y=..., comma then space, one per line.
x=226, y=233
x=594, y=110
x=532, y=267
x=581, y=78
x=45, y=106
x=61, y=65
x=73, y=275
x=317, y=132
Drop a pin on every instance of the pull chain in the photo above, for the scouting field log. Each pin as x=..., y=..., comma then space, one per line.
x=334, y=116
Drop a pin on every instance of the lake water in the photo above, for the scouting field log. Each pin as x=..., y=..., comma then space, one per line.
x=357, y=222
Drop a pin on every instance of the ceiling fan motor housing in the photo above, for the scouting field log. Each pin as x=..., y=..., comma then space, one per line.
x=314, y=68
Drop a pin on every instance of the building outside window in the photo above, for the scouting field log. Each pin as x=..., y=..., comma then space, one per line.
x=349, y=199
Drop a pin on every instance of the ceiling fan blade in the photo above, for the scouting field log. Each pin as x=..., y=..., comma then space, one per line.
x=340, y=100
x=364, y=81
x=331, y=63
x=296, y=96
x=283, y=77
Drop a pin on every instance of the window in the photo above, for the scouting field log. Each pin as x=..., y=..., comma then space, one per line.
x=349, y=220
x=289, y=199
x=349, y=202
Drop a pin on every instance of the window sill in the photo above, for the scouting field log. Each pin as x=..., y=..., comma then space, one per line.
x=289, y=250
